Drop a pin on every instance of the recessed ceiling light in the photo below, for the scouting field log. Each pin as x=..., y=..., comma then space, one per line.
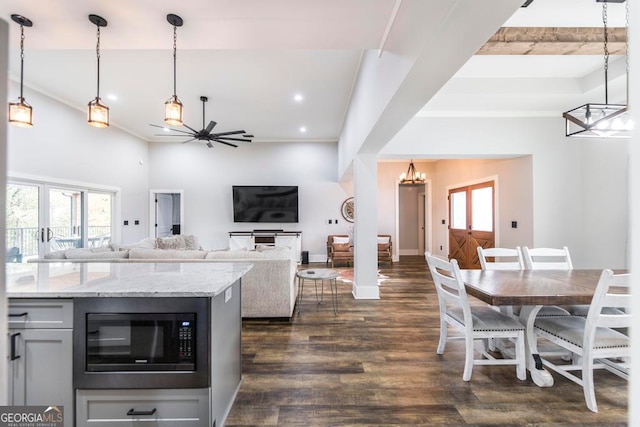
x=303, y=129
x=298, y=97
x=112, y=97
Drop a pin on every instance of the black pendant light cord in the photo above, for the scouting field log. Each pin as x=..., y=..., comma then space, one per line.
x=21, y=59
x=606, y=53
x=98, y=57
x=175, y=40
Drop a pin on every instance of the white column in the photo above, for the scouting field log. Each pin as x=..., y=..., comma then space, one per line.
x=365, y=283
x=634, y=204
x=4, y=66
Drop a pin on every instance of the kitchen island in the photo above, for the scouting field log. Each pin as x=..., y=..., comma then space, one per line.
x=77, y=331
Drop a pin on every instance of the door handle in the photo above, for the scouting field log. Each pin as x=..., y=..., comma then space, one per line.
x=133, y=412
x=42, y=235
x=49, y=234
x=14, y=337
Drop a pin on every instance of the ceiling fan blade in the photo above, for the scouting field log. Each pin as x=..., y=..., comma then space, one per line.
x=223, y=142
x=170, y=129
x=234, y=139
x=175, y=135
x=189, y=140
x=210, y=126
x=248, y=136
x=190, y=128
x=233, y=132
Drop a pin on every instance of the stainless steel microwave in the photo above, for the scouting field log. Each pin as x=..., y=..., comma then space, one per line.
x=141, y=342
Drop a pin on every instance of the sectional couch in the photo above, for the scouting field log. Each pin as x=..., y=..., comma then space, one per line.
x=269, y=289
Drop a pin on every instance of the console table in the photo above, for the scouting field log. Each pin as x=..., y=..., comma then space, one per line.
x=249, y=240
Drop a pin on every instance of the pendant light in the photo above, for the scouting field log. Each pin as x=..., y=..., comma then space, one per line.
x=21, y=113
x=173, y=106
x=597, y=120
x=98, y=113
x=412, y=176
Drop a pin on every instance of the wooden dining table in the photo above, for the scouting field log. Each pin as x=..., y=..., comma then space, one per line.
x=532, y=289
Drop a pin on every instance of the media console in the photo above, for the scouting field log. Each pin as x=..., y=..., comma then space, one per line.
x=249, y=240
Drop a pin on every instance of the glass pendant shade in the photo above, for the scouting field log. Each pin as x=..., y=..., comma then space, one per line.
x=20, y=113
x=599, y=121
x=173, y=111
x=98, y=114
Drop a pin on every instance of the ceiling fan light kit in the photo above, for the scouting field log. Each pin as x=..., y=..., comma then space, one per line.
x=98, y=113
x=601, y=120
x=173, y=106
x=20, y=112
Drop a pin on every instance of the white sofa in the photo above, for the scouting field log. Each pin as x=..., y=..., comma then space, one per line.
x=269, y=289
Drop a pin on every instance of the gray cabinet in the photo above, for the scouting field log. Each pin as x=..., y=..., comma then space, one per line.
x=41, y=354
x=157, y=407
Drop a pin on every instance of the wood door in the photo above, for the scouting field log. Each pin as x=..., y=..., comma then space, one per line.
x=471, y=222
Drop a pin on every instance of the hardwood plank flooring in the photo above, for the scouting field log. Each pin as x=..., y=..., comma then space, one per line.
x=375, y=363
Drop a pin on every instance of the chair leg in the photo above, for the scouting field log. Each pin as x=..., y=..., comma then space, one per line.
x=521, y=358
x=587, y=383
x=468, y=358
x=443, y=336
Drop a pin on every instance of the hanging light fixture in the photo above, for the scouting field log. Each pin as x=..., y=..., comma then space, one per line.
x=597, y=120
x=98, y=113
x=173, y=106
x=21, y=113
x=412, y=176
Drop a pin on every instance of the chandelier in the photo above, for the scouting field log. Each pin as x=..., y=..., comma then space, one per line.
x=602, y=120
x=412, y=176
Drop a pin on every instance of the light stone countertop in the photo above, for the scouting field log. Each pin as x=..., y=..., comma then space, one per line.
x=108, y=279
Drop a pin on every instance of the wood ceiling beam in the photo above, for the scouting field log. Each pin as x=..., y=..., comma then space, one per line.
x=554, y=41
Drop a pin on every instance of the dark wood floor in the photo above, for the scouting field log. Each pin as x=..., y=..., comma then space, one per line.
x=375, y=363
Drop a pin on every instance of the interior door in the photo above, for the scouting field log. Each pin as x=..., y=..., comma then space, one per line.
x=164, y=209
x=471, y=222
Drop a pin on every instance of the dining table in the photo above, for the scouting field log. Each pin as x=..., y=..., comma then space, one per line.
x=532, y=290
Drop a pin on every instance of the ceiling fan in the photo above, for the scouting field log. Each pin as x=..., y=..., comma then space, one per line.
x=205, y=133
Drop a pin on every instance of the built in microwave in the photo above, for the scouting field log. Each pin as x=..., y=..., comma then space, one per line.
x=141, y=342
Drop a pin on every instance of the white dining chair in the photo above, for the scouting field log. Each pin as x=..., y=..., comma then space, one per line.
x=593, y=338
x=503, y=258
x=547, y=258
x=474, y=322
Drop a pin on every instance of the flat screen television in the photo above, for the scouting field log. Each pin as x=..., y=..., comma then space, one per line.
x=260, y=203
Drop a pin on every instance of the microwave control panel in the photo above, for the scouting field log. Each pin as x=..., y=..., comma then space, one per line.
x=186, y=340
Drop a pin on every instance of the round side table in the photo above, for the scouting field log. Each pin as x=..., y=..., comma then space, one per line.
x=319, y=275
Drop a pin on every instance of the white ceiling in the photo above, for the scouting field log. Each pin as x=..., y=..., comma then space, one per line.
x=251, y=56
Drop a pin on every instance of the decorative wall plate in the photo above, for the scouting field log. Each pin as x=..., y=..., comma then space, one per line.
x=347, y=209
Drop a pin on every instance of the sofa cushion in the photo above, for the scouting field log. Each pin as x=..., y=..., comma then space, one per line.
x=141, y=253
x=148, y=243
x=235, y=255
x=55, y=255
x=275, y=252
x=95, y=253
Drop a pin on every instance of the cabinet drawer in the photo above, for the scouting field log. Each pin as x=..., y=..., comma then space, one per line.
x=175, y=407
x=40, y=313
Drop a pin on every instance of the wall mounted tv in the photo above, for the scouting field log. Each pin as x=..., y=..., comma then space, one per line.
x=259, y=203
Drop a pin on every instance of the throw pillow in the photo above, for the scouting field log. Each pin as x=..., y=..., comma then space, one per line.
x=172, y=242
x=191, y=242
x=383, y=240
x=341, y=247
x=337, y=239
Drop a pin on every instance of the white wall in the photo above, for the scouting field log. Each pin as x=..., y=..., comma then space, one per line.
x=560, y=167
x=207, y=174
x=62, y=146
x=4, y=66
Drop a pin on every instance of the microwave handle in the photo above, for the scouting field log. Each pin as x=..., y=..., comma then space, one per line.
x=133, y=412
